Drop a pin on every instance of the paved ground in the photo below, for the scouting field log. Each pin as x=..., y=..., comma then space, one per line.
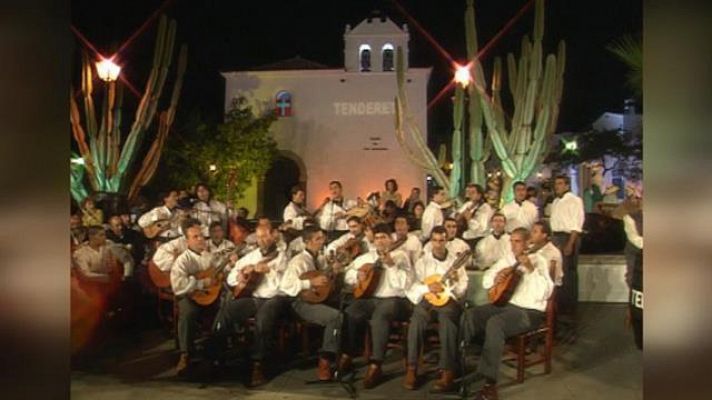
x=601, y=363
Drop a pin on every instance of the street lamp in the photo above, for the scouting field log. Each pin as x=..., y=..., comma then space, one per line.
x=107, y=70
x=462, y=75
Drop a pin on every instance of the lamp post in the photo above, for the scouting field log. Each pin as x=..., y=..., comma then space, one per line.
x=458, y=178
x=107, y=70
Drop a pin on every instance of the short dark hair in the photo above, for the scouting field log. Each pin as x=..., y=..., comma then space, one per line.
x=532, y=189
x=163, y=194
x=295, y=189
x=563, y=177
x=395, y=184
x=189, y=223
x=437, y=189
x=309, y=232
x=480, y=190
x=545, y=227
x=519, y=183
x=402, y=215
x=390, y=204
x=382, y=227
x=336, y=183
x=203, y=185
x=214, y=224
x=498, y=214
x=93, y=230
x=418, y=203
x=523, y=232
x=354, y=218
x=449, y=219
x=439, y=230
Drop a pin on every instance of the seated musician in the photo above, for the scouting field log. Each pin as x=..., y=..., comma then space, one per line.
x=184, y=284
x=355, y=235
x=217, y=242
x=131, y=239
x=524, y=310
x=95, y=258
x=166, y=211
x=387, y=303
x=77, y=231
x=321, y=314
x=206, y=209
x=251, y=239
x=256, y=277
x=475, y=214
x=454, y=245
x=332, y=212
x=436, y=261
x=296, y=246
x=412, y=246
x=540, y=241
x=493, y=246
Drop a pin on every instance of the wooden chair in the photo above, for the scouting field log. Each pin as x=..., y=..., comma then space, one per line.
x=397, y=339
x=520, y=344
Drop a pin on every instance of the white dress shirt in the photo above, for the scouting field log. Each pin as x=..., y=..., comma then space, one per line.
x=429, y=265
x=478, y=225
x=412, y=247
x=490, y=249
x=167, y=253
x=224, y=246
x=522, y=215
x=432, y=217
x=296, y=214
x=295, y=247
x=97, y=264
x=341, y=240
x=631, y=232
x=534, y=288
x=291, y=285
x=327, y=215
x=551, y=253
x=394, y=279
x=207, y=213
x=185, y=267
x=157, y=214
x=269, y=286
x=567, y=214
x=454, y=246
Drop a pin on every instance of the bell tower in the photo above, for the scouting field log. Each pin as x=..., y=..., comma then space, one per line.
x=371, y=46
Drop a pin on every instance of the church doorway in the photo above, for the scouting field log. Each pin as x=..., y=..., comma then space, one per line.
x=279, y=180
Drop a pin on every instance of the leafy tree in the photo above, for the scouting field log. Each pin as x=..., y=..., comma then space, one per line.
x=630, y=51
x=228, y=156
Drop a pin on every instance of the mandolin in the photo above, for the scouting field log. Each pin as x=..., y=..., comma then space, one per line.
x=365, y=287
x=249, y=282
x=500, y=293
x=161, y=279
x=440, y=299
x=348, y=251
x=208, y=295
x=162, y=225
x=319, y=294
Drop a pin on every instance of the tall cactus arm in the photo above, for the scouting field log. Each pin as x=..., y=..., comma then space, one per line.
x=80, y=139
x=87, y=89
x=512, y=74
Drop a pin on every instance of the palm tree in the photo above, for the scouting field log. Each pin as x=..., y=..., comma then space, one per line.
x=630, y=51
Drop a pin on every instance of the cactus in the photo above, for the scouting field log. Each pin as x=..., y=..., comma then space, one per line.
x=536, y=96
x=106, y=162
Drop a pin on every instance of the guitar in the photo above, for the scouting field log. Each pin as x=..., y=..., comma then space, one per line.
x=440, y=299
x=208, y=295
x=161, y=279
x=348, y=251
x=319, y=294
x=365, y=287
x=500, y=293
x=161, y=225
x=472, y=210
x=248, y=282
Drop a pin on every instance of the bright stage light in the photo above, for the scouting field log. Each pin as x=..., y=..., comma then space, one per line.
x=462, y=75
x=107, y=70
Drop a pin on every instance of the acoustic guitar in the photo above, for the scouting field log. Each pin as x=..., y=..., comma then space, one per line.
x=365, y=287
x=161, y=279
x=319, y=294
x=208, y=295
x=248, y=282
x=500, y=293
x=442, y=298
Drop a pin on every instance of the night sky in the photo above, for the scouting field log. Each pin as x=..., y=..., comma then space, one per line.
x=237, y=35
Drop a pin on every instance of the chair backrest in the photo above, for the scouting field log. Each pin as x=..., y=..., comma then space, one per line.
x=551, y=310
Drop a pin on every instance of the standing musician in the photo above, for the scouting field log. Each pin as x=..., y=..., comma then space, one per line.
x=474, y=215
x=184, y=283
x=356, y=237
x=321, y=314
x=436, y=261
x=206, y=209
x=520, y=212
x=495, y=245
x=412, y=246
x=388, y=302
x=295, y=213
x=332, y=216
x=454, y=245
x=167, y=211
x=524, y=310
x=433, y=214
x=265, y=266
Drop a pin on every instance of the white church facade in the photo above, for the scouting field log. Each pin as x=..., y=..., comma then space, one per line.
x=335, y=124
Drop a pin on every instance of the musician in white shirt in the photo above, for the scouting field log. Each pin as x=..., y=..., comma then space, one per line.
x=218, y=244
x=454, y=245
x=332, y=213
x=206, y=209
x=167, y=253
x=386, y=304
x=524, y=311
x=263, y=301
x=167, y=211
x=541, y=241
x=321, y=314
x=96, y=258
x=412, y=246
x=476, y=213
x=437, y=261
x=493, y=246
x=356, y=231
x=520, y=212
x=567, y=219
x=433, y=214
x=294, y=213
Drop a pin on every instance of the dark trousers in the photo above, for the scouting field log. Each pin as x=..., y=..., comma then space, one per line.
x=328, y=317
x=634, y=278
x=567, y=296
x=448, y=317
x=188, y=314
x=378, y=313
x=237, y=311
x=497, y=324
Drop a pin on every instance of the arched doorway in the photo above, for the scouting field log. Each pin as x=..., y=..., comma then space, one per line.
x=286, y=171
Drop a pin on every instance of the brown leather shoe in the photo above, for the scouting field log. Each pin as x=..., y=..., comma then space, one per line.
x=183, y=364
x=373, y=376
x=411, y=378
x=324, y=370
x=345, y=363
x=258, y=377
x=446, y=381
x=488, y=392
